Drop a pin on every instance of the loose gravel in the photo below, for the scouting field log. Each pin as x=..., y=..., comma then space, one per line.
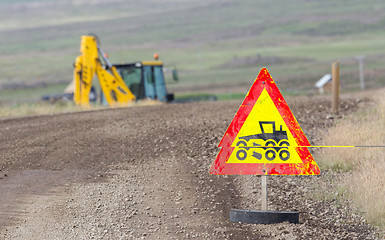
x=142, y=173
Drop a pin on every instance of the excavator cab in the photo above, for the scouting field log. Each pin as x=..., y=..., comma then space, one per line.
x=145, y=80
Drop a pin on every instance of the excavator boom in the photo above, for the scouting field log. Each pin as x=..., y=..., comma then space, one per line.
x=87, y=64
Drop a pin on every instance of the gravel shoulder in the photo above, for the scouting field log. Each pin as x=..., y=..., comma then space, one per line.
x=142, y=173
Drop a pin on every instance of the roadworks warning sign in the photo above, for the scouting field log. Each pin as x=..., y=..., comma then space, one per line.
x=264, y=137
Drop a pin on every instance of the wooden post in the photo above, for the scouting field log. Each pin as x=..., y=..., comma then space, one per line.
x=264, y=192
x=336, y=86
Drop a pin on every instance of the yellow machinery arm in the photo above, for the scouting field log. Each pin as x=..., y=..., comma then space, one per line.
x=114, y=89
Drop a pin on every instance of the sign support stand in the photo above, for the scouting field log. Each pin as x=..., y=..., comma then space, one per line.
x=263, y=216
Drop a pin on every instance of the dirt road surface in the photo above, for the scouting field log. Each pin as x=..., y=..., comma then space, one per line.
x=142, y=173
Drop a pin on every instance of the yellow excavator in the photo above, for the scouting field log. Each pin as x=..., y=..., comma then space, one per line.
x=120, y=84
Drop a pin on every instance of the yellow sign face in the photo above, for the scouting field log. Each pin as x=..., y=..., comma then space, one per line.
x=264, y=136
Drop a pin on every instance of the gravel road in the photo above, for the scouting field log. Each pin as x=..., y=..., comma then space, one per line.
x=142, y=173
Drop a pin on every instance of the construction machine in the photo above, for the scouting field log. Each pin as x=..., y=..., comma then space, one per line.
x=274, y=142
x=120, y=84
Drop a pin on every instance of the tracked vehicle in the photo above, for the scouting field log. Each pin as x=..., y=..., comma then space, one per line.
x=275, y=143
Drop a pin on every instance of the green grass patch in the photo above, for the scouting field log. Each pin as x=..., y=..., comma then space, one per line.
x=30, y=94
x=230, y=96
x=195, y=97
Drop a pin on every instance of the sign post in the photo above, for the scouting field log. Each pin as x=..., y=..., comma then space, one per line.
x=264, y=138
x=361, y=70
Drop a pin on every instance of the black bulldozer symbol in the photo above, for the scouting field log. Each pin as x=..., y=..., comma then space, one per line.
x=275, y=143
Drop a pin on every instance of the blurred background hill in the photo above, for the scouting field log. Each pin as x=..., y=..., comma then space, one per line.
x=218, y=46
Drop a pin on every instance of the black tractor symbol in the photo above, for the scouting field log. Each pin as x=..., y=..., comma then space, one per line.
x=275, y=143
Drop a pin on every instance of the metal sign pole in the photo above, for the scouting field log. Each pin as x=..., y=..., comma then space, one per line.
x=361, y=70
x=264, y=192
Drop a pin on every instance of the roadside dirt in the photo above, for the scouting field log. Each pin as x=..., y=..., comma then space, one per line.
x=142, y=173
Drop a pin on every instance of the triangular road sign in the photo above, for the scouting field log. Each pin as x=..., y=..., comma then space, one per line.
x=264, y=137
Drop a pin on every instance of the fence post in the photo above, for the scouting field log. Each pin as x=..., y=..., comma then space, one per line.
x=336, y=86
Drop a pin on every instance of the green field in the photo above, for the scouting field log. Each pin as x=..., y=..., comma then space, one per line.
x=217, y=46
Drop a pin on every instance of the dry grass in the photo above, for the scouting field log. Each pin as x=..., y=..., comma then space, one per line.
x=366, y=165
x=29, y=109
x=44, y=108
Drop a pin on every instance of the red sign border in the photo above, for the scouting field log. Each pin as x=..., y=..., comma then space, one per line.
x=308, y=165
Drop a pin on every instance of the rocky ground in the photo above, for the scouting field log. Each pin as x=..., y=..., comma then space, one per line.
x=142, y=173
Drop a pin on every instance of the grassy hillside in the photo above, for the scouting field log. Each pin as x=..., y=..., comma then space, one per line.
x=215, y=44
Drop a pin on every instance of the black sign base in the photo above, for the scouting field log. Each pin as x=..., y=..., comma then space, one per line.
x=263, y=217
